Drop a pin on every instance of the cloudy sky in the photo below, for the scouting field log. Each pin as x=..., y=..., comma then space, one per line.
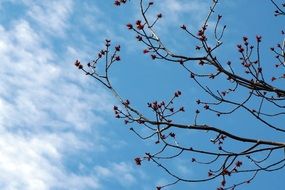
x=57, y=129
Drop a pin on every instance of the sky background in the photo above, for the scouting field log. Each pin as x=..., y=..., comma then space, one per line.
x=57, y=129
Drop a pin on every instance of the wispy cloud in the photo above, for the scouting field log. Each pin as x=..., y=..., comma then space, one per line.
x=52, y=124
x=44, y=108
x=175, y=11
x=122, y=172
x=35, y=162
x=31, y=80
x=51, y=16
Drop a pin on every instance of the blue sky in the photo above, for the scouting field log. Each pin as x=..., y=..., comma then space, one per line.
x=57, y=129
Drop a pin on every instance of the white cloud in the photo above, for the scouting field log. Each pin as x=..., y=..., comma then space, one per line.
x=34, y=162
x=175, y=13
x=175, y=9
x=31, y=79
x=44, y=108
x=51, y=16
x=122, y=172
x=49, y=112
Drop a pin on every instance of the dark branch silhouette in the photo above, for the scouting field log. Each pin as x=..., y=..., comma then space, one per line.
x=259, y=97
